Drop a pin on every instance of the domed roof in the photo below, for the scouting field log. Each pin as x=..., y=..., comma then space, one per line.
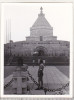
x=41, y=20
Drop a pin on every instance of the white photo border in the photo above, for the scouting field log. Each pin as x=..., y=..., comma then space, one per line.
x=2, y=49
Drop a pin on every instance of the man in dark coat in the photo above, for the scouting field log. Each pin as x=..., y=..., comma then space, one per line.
x=40, y=74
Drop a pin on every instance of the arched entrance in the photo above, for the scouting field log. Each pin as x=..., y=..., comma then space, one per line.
x=40, y=51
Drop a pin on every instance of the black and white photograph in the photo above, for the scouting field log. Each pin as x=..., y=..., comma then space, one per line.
x=37, y=44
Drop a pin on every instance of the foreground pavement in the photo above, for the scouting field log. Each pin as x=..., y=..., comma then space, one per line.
x=52, y=79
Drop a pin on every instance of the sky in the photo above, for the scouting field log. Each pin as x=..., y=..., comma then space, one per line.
x=19, y=17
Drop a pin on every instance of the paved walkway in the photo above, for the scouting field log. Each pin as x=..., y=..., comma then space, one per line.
x=51, y=75
x=52, y=78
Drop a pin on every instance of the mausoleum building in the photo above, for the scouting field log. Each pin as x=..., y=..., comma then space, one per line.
x=41, y=42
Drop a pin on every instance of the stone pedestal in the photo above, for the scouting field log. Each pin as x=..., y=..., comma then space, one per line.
x=20, y=81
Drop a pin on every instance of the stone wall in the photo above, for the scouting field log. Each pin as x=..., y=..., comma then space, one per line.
x=40, y=31
x=27, y=48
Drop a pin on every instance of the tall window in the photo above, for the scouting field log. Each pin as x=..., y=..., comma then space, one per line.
x=41, y=38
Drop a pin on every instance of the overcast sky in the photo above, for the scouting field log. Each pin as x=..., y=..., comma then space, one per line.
x=23, y=16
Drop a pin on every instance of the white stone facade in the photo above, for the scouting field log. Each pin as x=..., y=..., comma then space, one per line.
x=41, y=27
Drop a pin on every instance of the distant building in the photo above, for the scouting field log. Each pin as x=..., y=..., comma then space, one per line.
x=40, y=43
